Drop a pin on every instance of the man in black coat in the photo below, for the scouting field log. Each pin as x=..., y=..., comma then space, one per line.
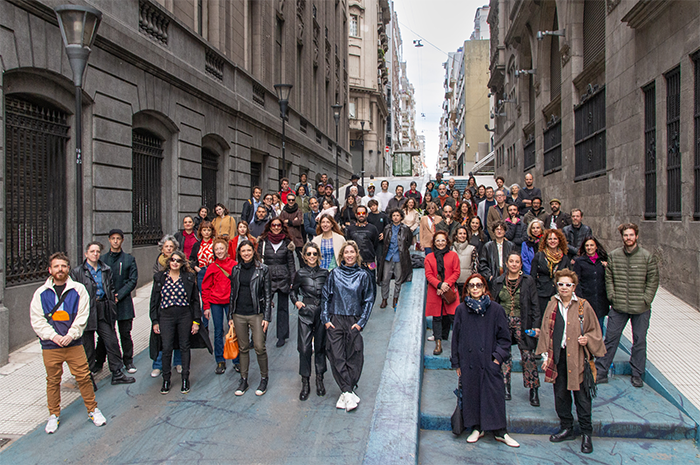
x=367, y=238
x=250, y=206
x=360, y=189
x=126, y=277
x=576, y=232
x=557, y=219
x=98, y=281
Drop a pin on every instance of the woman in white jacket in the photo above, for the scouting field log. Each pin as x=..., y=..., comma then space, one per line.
x=468, y=256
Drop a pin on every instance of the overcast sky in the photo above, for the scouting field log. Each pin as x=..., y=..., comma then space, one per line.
x=445, y=24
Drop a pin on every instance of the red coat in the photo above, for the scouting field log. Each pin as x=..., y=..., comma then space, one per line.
x=216, y=286
x=434, y=305
x=233, y=245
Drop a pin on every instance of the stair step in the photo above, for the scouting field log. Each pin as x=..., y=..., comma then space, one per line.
x=620, y=410
x=442, y=447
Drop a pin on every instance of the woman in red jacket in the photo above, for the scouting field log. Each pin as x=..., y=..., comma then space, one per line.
x=216, y=294
x=441, y=271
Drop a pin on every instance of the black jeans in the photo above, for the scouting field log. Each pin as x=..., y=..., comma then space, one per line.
x=310, y=327
x=616, y=324
x=562, y=400
x=282, y=315
x=441, y=326
x=175, y=322
x=105, y=331
x=124, y=327
x=345, y=351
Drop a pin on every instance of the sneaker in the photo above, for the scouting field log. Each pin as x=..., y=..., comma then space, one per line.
x=262, y=388
x=97, y=418
x=237, y=367
x=220, y=368
x=242, y=387
x=52, y=424
x=508, y=441
x=431, y=338
x=475, y=436
x=185, y=386
x=130, y=368
x=354, y=396
x=155, y=373
x=341, y=402
x=350, y=403
x=166, y=387
x=178, y=368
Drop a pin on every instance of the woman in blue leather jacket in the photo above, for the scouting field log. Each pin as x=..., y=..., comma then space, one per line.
x=347, y=300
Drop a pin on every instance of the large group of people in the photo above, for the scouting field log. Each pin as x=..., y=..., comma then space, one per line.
x=500, y=271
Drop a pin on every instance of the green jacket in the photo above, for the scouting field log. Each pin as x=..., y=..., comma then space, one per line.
x=631, y=280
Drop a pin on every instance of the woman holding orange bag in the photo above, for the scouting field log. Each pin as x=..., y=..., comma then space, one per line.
x=216, y=296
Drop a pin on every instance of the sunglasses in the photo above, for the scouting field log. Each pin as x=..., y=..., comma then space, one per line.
x=476, y=285
x=312, y=254
x=567, y=285
x=290, y=199
x=276, y=225
x=177, y=260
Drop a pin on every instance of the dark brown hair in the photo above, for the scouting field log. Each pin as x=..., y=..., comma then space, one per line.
x=465, y=289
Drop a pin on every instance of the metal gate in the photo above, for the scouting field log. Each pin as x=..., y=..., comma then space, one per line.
x=147, y=154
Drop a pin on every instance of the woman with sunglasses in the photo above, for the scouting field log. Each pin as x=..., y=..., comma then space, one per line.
x=517, y=293
x=551, y=258
x=569, y=321
x=480, y=345
x=276, y=250
x=442, y=270
x=176, y=314
x=306, y=295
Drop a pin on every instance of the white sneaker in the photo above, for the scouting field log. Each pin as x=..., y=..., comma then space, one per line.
x=354, y=396
x=97, y=418
x=155, y=373
x=178, y=368
x=431, y=338
x=475, y=436
x=341, y=401
x=508, y=441
x=350, y=403
x=52, y=424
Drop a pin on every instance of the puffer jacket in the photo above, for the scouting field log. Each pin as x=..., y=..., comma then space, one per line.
x=517, y=232
x=631, y=280
x=81, y=274
x=468, y=260
x=259, y=288
x=280, y=263
x=308, y=285
x=349, y=291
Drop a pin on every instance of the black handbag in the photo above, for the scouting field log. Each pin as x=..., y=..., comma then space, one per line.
x=457, y=417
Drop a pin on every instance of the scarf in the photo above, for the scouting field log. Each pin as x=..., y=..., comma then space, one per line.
x=512, y=288
x=477, y=306
x=276, y=238
x=549, y=367
x=593, y=257
x=163, y=261
x=440, y=261
x=290, y=209
x=553, y=259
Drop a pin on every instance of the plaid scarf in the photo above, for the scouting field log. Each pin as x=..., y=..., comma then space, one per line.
x=549, y=367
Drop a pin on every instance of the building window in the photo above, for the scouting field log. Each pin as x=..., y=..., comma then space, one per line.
x=593, y=30
x=210, y=169
x=35, y=188
x=354, y=26
x=513, y=157
x=529, y=153
x=279, y=31
x=589, y=120
x=352, y=109
x=255, y=174
x=696, y=61
x=673, y=128
x=650, y=152
x=147, y=158
x=552, y=147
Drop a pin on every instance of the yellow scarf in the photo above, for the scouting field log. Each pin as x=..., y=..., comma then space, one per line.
x=553, y=258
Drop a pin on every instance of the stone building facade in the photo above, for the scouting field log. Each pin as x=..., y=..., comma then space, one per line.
x=178, y=110
x=599, y=100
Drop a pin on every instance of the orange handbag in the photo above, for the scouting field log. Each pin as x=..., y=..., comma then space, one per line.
x=231, y=345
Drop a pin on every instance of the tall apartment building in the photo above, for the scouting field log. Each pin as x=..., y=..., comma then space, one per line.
x=481, y=25
x=600, y=101
x=179, y=110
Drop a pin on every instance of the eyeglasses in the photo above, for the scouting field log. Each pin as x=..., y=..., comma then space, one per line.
x=567, y=285
x=312, y=254
x=478, y=285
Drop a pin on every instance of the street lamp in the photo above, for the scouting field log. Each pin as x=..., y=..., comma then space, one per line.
x=362, y=146
x=78, y=28
x=336, y=116
x=283, y=91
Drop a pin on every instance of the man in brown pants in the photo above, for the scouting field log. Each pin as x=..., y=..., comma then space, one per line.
x=59, y=313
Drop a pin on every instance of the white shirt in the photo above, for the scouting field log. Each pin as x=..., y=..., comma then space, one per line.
x=563, y=311
x=383, y=199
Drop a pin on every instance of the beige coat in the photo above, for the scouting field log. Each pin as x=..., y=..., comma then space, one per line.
x=426, y=232
x=412, y=219
x=574, y=351
x=224, y=227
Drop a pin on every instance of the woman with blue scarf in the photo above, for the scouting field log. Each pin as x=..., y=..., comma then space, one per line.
x=480, y=344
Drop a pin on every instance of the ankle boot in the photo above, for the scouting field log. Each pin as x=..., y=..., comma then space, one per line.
x=383, y=304
x=305, y=389
x=508, y=396
x=534, y=397
x=438, y=347
x=320, y=388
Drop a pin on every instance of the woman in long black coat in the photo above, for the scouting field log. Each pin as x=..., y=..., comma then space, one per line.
x=590, y=268
x=480, y=344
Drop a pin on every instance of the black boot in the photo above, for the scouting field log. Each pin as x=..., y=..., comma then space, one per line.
x=305, y=388
x=166, y=387
x=586, y=444
x=320, y=388
x=118, y=377
x=508, y=396
x=185, y=386
x=565, y=434
x=534, y=397
x=220, y=368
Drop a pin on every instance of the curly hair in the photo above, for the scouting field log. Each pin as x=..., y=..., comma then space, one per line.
x=185, y=263
x=560, y=235
x=166, y=238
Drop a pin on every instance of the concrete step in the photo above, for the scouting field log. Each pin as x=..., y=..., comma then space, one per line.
x=620, y=410
x=442, y=447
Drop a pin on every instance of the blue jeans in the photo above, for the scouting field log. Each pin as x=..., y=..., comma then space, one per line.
x=219, y=316
x=200, y=278
x=158, y=362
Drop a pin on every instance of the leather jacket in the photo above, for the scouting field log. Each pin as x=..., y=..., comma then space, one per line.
x=308, y=285
x=488, y=259
x=82, y=275
x=349, y=291
x=260, y=288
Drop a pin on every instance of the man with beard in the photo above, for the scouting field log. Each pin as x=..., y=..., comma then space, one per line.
x=257, y=227
x=576, y=232
x=367, y=238
x=528, y=193
x=251, y=205
x=360, y=190
x=293, y=217
x=397, y=201
x=536, y=212
x=557, y=219
x=384, y=196
x=310, y=219
x=370, y=196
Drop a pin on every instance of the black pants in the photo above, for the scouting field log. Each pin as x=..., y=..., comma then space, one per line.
x=124, y=327
x=282, y=315
x=562, y=400
x=441, y=326
x=616, y=324
x=105, y=330
x=175, y=322
x=310, y=327
x=344, y=348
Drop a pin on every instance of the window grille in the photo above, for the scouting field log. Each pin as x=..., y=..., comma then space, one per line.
x=210, y=168
x=529, y=156
x=589, y=120
x=593, y=30
x=147, y=158
x=673, y=127
x=35, y=188
x=650, y=152
x=255, y=174
x=552, y=147
x=696, y=61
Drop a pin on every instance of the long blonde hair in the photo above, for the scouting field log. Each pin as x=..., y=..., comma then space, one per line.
x=352, y=244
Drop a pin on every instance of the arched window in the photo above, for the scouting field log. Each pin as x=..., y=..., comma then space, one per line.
x=147, y=160
x=35, y=187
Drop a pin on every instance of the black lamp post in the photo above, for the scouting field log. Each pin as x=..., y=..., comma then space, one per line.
x=283, y=91
x=78, y=28
x=362, y=146
x=336, y=116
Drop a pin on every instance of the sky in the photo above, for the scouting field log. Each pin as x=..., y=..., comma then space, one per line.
x=443, y=26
